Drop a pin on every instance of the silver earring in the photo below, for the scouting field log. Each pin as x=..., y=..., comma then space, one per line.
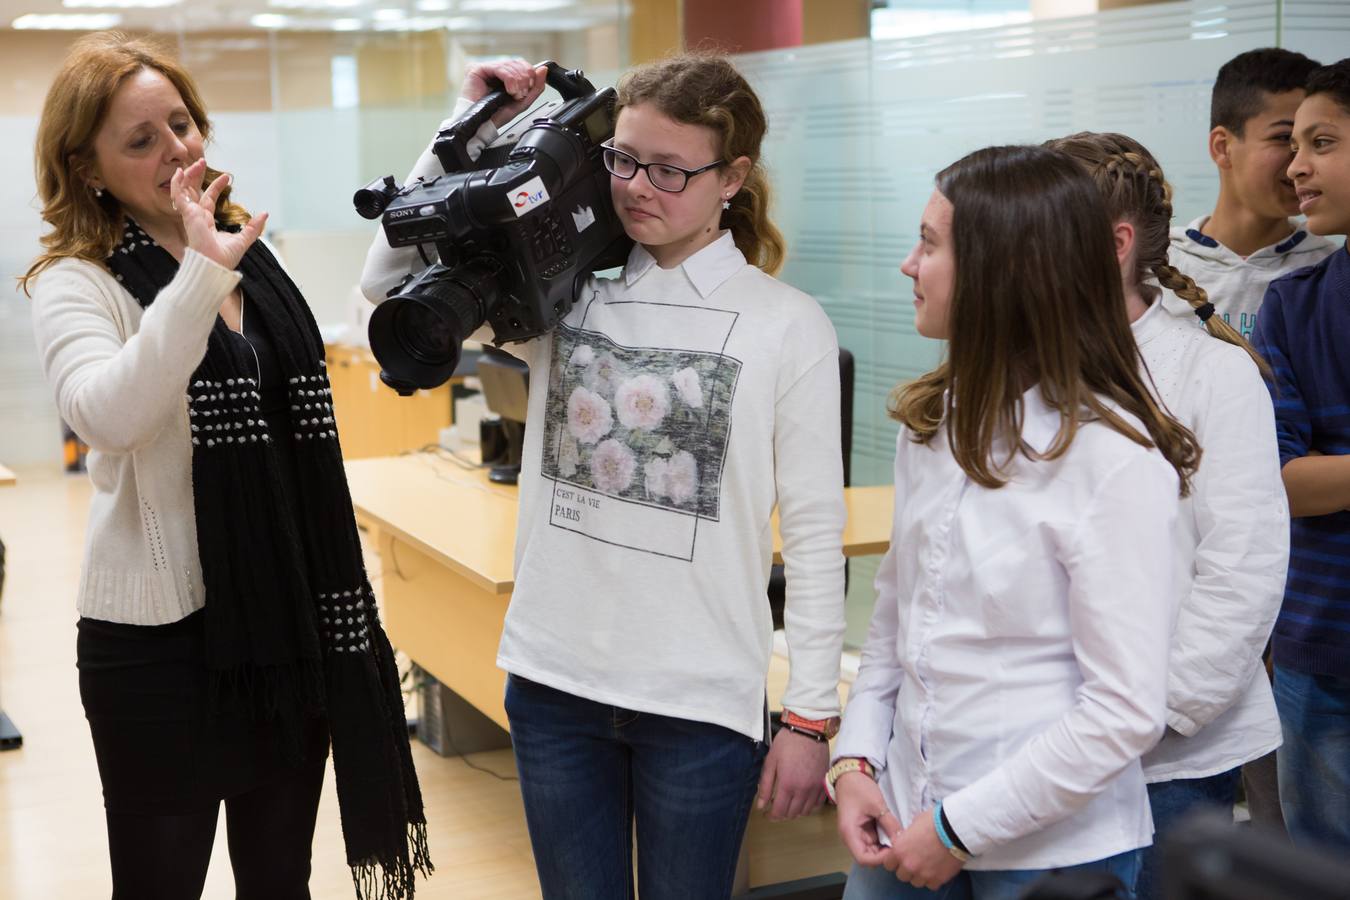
x=726, y=202
x=98, y=192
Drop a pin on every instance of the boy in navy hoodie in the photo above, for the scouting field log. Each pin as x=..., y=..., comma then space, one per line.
x=1304, y=332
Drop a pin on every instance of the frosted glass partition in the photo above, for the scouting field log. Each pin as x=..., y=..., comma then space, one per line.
x=859, y=129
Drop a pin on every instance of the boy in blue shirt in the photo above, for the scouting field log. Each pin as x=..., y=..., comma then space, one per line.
x=1304, y=331
x=1251, y=237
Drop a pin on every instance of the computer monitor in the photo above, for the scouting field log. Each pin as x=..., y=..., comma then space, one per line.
x=506, y=391
x=1207, y=857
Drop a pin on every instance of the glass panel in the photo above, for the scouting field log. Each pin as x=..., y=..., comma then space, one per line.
x=859, y=129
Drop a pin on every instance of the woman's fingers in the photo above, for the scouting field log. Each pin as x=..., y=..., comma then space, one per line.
x=253, y=229
x=212, y=193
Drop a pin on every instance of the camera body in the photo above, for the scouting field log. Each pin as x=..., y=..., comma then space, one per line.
x=517, y=233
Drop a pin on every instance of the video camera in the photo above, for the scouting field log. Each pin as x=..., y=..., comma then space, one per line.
x=517, y=232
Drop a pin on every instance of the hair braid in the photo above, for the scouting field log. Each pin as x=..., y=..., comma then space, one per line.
x=1136, y=191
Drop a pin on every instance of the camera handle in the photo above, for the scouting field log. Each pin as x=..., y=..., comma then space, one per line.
x=452, y=143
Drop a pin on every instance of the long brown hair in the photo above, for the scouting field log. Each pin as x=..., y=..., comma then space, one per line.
x=1132, y=183
x=1037, y=301
x=706, y=89
x=84, y=226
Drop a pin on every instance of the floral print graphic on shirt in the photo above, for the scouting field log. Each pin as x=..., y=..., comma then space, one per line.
x=645, y=425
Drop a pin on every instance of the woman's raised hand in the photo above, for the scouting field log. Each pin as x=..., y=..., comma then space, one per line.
x=197, y=208
x=521, y=80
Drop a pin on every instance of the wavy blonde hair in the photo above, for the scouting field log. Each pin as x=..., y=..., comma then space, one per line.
x=706, y=89
x=84, y=226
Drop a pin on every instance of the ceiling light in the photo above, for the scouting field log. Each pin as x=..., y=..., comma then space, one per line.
x=118, y=4
x=67, y=22
x=433, y=5
x=522, y=6
x=314, y=4
x=268, y=20
x=346, y=24
x=389, y=15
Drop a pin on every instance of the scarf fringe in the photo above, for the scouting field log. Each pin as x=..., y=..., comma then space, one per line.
x=394, y=879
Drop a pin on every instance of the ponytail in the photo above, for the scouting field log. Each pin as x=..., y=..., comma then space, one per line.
x=748, y=220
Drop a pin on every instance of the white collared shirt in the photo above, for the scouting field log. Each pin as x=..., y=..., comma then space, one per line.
x=1015, y=667
x=1230, y=557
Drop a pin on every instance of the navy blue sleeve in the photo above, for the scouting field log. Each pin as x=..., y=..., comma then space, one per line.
x=1293, y=427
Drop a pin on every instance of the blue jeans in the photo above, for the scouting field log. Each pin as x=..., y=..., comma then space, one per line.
x=875, y=883
x=1172, y=801
x=588, y=771
x=1314, y=762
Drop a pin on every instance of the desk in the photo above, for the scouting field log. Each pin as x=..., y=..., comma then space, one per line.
x=372, y=419
x=446, y=538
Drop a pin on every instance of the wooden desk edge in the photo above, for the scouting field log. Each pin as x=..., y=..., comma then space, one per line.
x=371, y=521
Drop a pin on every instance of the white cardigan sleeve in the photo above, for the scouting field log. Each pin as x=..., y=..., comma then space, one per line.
x=118, y=390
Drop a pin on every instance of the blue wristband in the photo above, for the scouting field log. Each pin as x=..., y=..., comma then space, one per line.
x=945, y=837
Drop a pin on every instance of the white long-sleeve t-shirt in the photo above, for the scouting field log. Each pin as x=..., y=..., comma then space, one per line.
x=1230, y=557
x=669, y=414
x=1015, y=667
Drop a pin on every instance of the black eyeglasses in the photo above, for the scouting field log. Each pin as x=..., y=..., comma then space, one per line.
x=663, y=176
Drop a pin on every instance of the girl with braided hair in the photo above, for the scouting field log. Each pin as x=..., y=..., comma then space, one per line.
x=1233, y=546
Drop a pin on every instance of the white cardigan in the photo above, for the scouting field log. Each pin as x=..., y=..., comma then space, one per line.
x=120, y=375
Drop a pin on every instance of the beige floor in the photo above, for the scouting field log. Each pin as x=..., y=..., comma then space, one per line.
x=52, y=841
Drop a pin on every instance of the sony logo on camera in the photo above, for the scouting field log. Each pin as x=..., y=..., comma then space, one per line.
x=427, y=210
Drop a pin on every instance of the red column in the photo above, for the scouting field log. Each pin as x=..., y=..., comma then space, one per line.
x=743, y=26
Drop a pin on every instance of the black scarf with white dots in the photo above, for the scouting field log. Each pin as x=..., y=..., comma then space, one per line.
x=292, y=631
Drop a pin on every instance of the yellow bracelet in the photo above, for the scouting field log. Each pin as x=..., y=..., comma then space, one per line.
x=843, y=766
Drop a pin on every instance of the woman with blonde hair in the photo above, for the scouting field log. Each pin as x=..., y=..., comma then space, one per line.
x=227, y=630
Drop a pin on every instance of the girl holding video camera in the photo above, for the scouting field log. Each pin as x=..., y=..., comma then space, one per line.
x=670, y=412
x=1015, y=669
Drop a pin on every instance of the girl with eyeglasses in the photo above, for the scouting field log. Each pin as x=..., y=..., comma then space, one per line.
x=670, y=412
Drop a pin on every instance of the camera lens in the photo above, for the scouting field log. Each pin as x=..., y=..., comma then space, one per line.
x=425, y=335
x=416, y=334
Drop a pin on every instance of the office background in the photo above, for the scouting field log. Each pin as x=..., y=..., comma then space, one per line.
x=312, y=98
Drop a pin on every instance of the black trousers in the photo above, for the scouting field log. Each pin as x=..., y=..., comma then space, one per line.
x=167, y=765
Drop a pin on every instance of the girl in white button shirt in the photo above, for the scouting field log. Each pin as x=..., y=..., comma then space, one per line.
x=1233, y=549
x=1015, y=668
